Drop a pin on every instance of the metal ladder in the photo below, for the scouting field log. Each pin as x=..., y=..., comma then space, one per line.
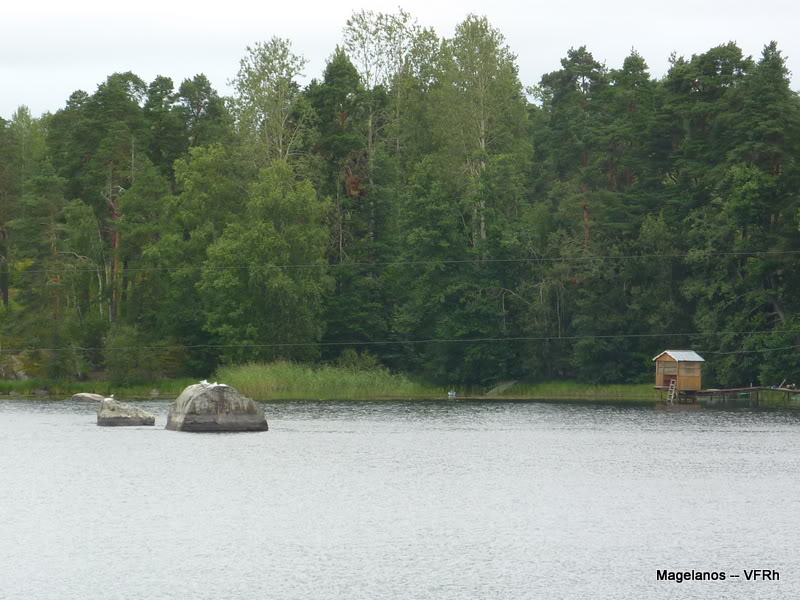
x=673, y=391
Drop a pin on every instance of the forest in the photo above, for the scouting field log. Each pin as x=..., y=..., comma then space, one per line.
x=414, y=206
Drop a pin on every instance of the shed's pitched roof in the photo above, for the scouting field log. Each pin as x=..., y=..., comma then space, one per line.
x=682, y=355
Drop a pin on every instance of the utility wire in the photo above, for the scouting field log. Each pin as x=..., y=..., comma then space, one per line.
x=751, y=351
x=421, y=262
x=422, y=341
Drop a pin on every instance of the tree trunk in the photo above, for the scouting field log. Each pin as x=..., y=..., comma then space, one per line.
x=4, y=283
x=115, y=274
x=56, y=298
x=4, y=275
x=587, y=234
x=370, y=164
x=123, y=308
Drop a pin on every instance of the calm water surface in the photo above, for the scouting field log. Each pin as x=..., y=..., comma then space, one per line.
x=399, y=501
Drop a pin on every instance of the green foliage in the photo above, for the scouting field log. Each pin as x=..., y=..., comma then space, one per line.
x=205, y=118
x=261, y=286
x=272, y=115
x=130, y=357
x=358, y=361
x=410, y=201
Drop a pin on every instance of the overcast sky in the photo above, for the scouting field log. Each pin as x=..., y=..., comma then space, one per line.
x=49, y=49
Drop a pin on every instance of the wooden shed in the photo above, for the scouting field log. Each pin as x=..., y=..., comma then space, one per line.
x=685, y=366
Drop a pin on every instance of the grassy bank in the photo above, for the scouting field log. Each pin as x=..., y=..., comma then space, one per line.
x=289, y=381
x=581, y=392
x=65, y=389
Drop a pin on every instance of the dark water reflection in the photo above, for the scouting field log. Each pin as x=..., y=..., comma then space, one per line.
x=399, y=500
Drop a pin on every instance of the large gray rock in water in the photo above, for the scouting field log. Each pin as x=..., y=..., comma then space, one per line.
x=215, y=407
x=113, y=413
x=87, y=397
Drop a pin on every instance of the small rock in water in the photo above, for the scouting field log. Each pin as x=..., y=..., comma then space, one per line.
x=112, y=413
x=87, y=397
x=215, y=407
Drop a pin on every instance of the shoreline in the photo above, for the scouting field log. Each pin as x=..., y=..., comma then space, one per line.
x=619, y=402
x=283, y=381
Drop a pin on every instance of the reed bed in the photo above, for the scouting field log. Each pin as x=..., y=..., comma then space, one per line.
x=292, y=381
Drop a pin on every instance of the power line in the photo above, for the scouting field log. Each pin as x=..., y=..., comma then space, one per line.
x=420, y=262
x=751, y=351
x=421, y=341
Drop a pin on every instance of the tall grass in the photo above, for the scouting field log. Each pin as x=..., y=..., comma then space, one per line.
x=571, y=391
x=290, y=381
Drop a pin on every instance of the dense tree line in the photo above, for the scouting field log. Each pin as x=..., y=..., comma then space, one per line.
x=414, y=191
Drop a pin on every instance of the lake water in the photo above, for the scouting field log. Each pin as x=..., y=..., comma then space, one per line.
x=422, y=500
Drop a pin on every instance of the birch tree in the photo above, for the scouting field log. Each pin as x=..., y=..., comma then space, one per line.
x=482, y=108
x=379, y=44
x=271, y=113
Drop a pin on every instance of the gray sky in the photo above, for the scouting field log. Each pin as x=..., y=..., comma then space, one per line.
x=48, y=48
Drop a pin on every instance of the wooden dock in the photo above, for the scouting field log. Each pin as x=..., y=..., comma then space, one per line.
x=744, y=396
